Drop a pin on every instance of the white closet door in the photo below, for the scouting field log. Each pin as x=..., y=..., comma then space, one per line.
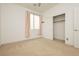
x=76, y=27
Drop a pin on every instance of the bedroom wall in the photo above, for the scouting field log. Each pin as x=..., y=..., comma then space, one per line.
x=48, y=25
x=12, y=23
x=0, y=23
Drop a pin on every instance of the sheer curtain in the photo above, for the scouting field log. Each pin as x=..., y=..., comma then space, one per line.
x=33, y=25
x=27, y=24
x=40, y=31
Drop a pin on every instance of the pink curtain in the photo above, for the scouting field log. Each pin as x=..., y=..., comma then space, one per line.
x=40, y=31
x=27, y=24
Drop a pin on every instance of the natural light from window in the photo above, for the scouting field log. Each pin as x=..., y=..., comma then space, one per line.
x=34, y=21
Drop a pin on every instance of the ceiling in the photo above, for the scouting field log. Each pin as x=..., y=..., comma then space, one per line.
x=43, y=7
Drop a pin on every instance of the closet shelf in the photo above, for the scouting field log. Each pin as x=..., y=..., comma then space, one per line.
x=58, y=21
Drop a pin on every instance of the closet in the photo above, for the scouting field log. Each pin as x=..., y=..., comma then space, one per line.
x=59, y=27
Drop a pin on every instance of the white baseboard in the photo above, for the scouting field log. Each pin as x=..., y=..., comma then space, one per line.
x=4, y=43
x=76, y=46
x=47, y=38
x=19, y=41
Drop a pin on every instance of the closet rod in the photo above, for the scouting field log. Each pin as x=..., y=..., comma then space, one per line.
x=58, y=21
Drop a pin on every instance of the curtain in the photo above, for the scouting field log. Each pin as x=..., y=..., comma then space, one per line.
x=27, y=24
x=40, y=31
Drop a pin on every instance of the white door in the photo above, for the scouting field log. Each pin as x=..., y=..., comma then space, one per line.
x=76, y=27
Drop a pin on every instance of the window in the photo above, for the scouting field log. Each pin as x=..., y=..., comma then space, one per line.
x=34, y=21
x=31, y=21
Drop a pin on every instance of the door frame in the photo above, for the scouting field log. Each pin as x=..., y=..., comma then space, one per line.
x=64, y=23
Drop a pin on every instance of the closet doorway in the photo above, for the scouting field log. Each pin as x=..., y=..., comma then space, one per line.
x=59, y=27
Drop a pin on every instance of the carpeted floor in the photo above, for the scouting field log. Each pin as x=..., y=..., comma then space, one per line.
x=38, y=47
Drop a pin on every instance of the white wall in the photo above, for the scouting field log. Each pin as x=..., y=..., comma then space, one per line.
x=47, y=28
x=12, y=23
x=34, y=33
x=48, y=18
x=0, y=23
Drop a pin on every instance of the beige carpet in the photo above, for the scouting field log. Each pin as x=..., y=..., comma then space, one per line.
x=38, y=47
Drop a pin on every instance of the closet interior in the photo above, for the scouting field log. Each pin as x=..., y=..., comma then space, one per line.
x=59, y=27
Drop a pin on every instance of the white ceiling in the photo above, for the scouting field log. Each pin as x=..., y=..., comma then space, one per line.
x=44, y=6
